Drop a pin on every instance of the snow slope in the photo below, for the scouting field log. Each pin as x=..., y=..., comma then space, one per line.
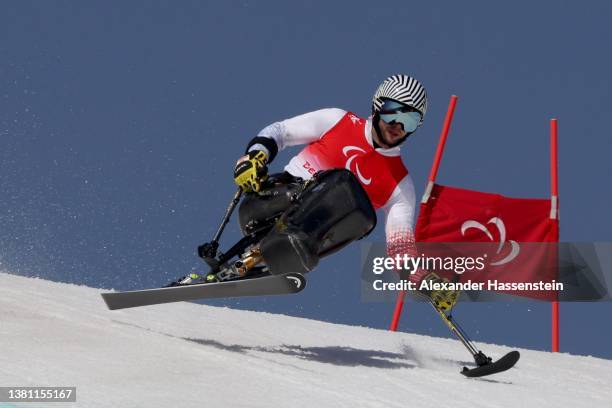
x=189, y=355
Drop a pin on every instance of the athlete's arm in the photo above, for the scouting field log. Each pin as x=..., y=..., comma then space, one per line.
x=399, y=219
x=302, y=129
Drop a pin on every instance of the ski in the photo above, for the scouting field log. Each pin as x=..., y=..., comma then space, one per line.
x=262, y=286
x=493, y=367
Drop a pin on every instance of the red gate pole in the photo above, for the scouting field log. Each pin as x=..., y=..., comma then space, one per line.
x=399, y=303
x=554, y=214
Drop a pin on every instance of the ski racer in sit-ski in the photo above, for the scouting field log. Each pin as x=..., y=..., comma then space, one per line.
x=325, y=199
x=351, y=166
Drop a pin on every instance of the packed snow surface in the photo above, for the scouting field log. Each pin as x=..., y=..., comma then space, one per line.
x=190, y=355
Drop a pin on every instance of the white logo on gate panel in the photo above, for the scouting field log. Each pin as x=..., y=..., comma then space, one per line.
x=501, y=228
x=345, y=151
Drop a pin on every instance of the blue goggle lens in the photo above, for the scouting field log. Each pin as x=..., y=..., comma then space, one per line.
x=395, y=112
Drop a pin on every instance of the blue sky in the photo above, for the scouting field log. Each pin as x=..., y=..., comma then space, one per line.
x=120, y=124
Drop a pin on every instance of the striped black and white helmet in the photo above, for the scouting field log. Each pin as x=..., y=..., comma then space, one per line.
x=404, y=89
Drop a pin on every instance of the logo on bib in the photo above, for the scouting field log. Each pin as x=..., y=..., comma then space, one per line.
x=350, y=159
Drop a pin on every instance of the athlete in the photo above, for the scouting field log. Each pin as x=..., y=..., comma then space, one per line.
x=369, y=148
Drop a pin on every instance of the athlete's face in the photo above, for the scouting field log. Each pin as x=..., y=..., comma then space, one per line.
x=390, y=133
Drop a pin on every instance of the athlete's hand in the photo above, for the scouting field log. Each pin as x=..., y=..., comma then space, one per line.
x=251, y=171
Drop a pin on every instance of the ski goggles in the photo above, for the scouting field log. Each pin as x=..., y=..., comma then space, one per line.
x=395, y=112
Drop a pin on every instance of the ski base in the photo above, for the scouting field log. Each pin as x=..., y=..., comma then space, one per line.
x=263, y=286
x=505, y=363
